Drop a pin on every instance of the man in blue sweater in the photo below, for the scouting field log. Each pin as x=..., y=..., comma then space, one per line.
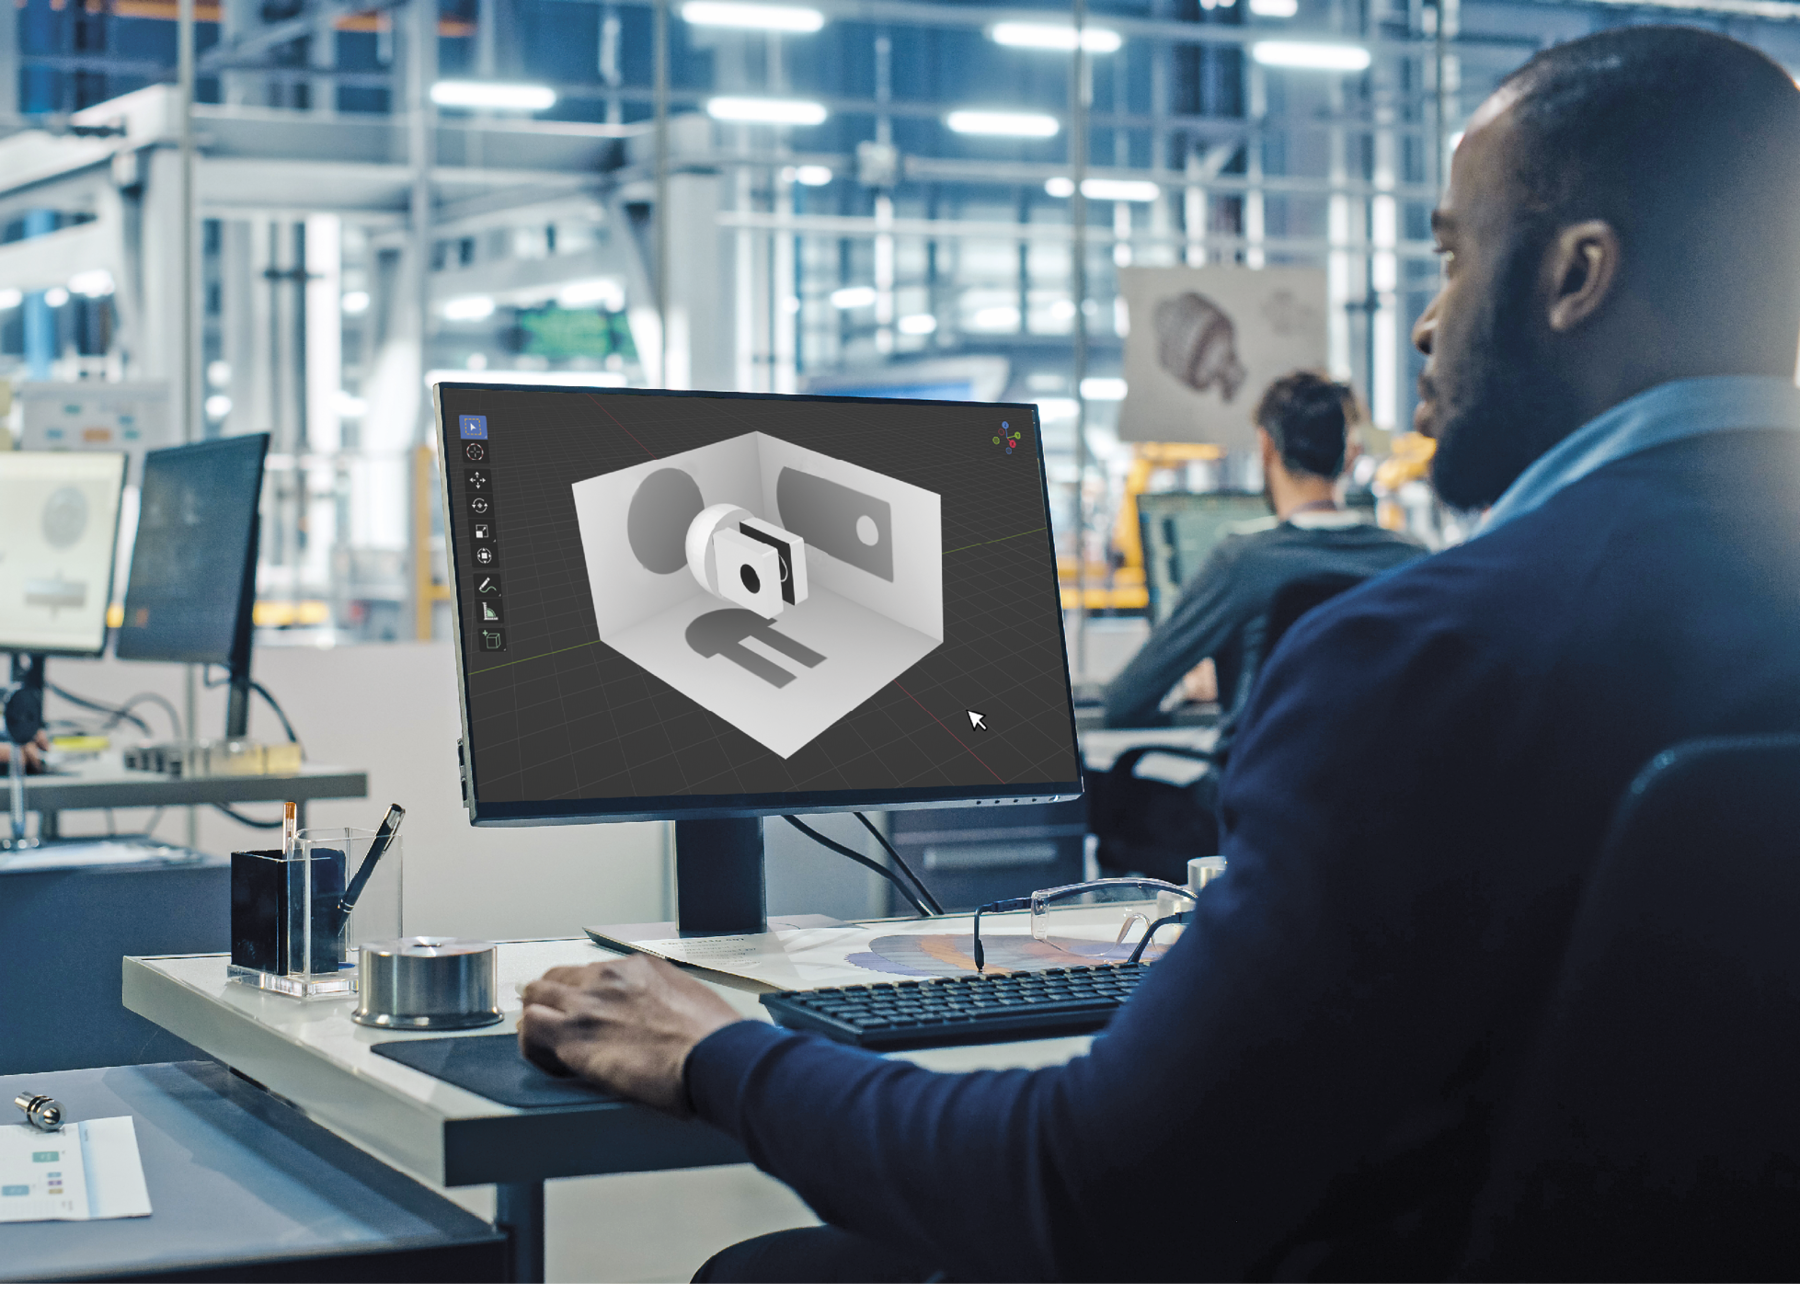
x=1306, y=1085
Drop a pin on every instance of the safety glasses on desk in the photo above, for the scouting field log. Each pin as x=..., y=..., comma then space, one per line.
x=1101, y=920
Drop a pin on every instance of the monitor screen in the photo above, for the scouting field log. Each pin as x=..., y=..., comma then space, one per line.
x=683, y=605
x=59, y=522
x=193, y=567
x=1180, y=532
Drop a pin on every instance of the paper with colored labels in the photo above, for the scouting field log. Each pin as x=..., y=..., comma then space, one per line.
x=84, y=1171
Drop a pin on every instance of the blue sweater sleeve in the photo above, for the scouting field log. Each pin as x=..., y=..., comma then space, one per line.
x=1200, y=625
x=1308, y=1024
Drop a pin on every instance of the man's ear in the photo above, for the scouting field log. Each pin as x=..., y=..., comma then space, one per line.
x=1581, y=268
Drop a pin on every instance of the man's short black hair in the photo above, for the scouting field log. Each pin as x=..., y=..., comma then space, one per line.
x=1685, y=141
x=1308, y=416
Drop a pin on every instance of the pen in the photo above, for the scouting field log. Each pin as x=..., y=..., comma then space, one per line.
x=384, y=836
x=290, y=832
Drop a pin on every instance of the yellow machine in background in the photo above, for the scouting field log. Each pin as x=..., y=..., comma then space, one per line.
x=1123, y=587
x=1409, y=459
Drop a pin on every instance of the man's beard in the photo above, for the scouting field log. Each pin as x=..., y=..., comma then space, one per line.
x=1511, y=405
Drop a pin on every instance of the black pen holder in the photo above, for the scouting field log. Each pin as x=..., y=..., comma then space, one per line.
x=287, y=926
x=290, y=932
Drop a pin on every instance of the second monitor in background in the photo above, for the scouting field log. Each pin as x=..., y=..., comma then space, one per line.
x=193, y=568
x=1180, y=531
x=59, y=524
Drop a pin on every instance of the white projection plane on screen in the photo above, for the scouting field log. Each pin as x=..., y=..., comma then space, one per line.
x=776, y=587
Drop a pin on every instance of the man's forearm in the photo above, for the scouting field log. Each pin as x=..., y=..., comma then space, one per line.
x=943, y=1165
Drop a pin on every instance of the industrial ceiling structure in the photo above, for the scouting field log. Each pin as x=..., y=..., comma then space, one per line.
x=298, y=213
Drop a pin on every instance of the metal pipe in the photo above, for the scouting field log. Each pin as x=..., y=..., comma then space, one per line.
x=187, y=352
x=1080, y=99
x=662, y=190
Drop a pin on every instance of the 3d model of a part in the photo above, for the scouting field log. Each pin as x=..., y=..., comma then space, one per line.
x=746, y=560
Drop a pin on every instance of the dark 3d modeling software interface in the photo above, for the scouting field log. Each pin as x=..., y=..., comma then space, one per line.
x=726, y=595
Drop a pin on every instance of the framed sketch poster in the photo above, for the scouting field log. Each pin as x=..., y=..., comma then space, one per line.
x=1205, y=342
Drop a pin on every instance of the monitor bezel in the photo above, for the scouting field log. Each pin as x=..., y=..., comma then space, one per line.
x=567, y=812
x=112, y=568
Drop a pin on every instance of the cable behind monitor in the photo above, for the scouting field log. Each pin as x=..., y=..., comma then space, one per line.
x=860, y=860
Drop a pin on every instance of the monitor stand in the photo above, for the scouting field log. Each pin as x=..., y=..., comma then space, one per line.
x=719, y=876
x=237, y=703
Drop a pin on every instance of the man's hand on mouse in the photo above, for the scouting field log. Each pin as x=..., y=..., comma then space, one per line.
x=627, y=1024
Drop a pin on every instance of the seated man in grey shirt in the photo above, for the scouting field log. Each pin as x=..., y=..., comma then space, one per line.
x=1302, y=426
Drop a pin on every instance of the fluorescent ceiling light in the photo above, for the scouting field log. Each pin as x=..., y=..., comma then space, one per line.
x=853, y=298
x=1274, y=8
x=92, y=283
x=468, y=309
x=11, y=298
x=56, y=298
x=772, y=112
x=1102, y=388
x=1310, y=55
x=918, y=325
x=1099, y=190
x=1046, y=35
x=979, y=121
x=605, y=292
x=996, y=318
x=1057, y=410
x=495, y=95
x=346, y=405
x=812, y=176
x=761, y=17
x=217, y=406
x=355, y=302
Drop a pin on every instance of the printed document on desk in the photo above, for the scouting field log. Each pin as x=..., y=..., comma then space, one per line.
x=832, y=956
x=84, y=1171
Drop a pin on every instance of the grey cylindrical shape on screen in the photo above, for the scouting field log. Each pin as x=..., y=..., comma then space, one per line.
x=426, y=982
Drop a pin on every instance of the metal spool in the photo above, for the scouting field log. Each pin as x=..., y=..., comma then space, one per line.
x=428, y=983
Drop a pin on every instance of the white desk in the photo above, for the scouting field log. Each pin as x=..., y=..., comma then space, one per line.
x=311, y=1054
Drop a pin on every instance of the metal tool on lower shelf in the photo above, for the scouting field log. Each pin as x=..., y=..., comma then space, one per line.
x=215, y=759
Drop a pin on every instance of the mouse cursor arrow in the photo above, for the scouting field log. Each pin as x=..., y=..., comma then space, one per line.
x=977, y=721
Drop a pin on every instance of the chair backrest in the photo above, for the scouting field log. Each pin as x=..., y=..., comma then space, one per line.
x=1264, y=632
x=1655, y=1130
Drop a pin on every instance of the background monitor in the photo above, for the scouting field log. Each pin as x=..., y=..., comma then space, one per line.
x=1180, y=532
x=59, y=524
x=693, y=606
x=193, y=567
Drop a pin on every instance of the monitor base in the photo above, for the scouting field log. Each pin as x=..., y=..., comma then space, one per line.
x=719, y=876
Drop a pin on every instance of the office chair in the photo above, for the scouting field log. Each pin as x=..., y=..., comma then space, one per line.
x=1264, y=633
x=1148, y=825
x=1655, y=1134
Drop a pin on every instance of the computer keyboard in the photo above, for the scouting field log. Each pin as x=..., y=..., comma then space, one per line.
x=960, y=1012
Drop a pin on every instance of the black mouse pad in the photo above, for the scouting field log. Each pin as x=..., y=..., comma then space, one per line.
x=491, y=1066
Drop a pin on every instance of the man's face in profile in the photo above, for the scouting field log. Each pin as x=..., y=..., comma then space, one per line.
x=1489, y=395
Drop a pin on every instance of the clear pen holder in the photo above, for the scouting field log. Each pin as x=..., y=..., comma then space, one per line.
x=296, y=923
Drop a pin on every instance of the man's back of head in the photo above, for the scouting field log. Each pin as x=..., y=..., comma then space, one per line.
x=1688, y=143
x=1621, y=213
x=1307, y=417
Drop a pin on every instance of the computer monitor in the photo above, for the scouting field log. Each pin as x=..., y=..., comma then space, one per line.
x=713, y=608
x=1180, y=531
x=193, y=567
x=59, y=525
